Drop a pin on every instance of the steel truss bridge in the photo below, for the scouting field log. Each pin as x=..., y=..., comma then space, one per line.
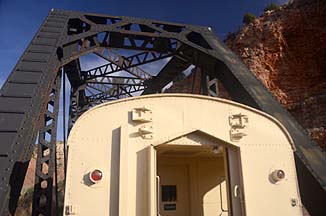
x=29, y=99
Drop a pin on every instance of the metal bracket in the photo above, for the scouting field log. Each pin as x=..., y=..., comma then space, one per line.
x=142, y=114
x=146, y=132
x=212, y=86
x=238, y=123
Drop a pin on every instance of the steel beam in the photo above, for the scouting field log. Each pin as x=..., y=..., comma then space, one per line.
x=45, y=163
x=169, y=72
x=121, y=61
x=23, y=99
x=65, y=36
x=127, y=64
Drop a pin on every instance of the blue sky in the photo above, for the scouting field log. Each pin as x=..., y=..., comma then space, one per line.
x=20, y=19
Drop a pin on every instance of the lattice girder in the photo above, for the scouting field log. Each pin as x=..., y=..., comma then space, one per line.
x=65, y=36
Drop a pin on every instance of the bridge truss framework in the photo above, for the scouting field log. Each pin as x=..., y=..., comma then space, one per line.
x=29, y=99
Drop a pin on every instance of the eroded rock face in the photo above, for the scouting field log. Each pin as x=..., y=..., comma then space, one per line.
x=286, y=50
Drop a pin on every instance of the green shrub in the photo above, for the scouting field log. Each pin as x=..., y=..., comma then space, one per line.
x=272, y=6
x=248, y=18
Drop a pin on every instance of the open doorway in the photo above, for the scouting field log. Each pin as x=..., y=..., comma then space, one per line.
x=192, y=180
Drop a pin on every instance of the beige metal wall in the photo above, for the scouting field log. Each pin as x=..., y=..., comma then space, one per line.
x=120, y=139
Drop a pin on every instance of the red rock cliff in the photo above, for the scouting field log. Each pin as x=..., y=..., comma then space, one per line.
x=286, y=50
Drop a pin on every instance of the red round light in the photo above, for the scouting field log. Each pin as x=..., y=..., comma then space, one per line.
x=96, y=176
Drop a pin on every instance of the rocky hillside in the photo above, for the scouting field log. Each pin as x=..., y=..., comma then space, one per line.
x=286, y=49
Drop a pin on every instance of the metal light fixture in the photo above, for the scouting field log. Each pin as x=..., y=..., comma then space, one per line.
x=216, y=150
x=96, y=176
x=278, y=175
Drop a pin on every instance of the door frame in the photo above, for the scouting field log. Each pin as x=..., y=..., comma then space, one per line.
x=234, y=177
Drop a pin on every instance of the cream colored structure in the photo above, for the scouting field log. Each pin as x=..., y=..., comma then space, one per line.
x=180, y=155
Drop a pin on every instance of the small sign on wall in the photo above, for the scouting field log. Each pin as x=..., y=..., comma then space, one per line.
x=170, y=207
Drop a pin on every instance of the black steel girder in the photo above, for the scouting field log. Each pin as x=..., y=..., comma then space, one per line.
x=23, y=99
x=45, y=164
x=126, y=63
x=168, y=73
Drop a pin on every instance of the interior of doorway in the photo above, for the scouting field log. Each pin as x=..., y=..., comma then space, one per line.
x=192, y=180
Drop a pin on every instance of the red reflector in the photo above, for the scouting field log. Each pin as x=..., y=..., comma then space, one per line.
x=96, y=176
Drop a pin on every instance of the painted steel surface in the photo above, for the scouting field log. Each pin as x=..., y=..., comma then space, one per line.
x=117, y=139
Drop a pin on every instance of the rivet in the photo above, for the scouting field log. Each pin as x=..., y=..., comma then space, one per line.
x=293, y=202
